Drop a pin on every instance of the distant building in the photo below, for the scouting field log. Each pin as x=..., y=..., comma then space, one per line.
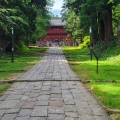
x=56, y=34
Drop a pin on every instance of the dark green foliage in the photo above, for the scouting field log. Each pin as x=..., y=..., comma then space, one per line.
x=97, y=14
x=23, y=15
x=23, y=60
x=116, y=17
x=39, y=3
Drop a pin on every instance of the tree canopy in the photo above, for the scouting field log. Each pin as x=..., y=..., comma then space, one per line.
x=28, y=18
x=102, y=15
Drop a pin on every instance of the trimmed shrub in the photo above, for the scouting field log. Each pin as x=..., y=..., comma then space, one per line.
x=85, y=42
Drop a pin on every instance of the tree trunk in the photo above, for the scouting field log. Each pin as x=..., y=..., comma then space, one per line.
x=106, y=39
x=101, y=28
x=94, y=29
x=108, y=25
x=118, y=33
x=2, y=36
x=109, y=21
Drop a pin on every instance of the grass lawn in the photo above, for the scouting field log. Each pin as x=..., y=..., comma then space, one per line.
x=4, y=86
x=108, y=93
x=106, y=84
x=79, y=59
x=22, y=62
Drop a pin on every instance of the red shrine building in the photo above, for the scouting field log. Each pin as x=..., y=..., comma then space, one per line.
x=55, y=34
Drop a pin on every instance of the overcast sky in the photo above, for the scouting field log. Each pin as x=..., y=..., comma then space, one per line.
x=57, y=7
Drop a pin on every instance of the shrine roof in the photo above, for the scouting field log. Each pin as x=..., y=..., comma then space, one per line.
x=57, y=22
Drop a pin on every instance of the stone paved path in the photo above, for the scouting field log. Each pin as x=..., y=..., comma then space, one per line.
x=53, y=66
x=57, y=96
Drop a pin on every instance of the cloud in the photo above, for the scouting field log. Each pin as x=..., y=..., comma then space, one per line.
x=57, y=5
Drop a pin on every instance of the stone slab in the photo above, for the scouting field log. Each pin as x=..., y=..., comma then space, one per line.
x=39, y=111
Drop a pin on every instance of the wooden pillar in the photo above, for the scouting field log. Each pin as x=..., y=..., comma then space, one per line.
x=53, y=43
x=58, y=41
x=40, y=39
x=50, y=42
x=46, y=41
x=53, y=40
x=69, y=40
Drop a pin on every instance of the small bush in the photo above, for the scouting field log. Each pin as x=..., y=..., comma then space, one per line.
x=86, y=41
x=21, y=47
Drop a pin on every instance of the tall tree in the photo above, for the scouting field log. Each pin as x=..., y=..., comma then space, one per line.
x=72, y=22
x=97, y=14
x=22, y=14
x=42, y=20
x=116, y=22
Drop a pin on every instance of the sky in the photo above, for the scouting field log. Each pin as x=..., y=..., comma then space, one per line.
x=57, y=7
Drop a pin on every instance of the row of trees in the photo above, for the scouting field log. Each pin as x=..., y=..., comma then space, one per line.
x=29, y=18
x=102, y=15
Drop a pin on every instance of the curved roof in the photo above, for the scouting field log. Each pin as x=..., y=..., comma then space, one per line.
x=57, y=22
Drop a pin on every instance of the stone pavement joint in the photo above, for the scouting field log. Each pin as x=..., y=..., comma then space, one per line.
x=50, y=91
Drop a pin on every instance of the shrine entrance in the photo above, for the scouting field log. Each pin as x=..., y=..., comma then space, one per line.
x=55, y=34
x=56, y=42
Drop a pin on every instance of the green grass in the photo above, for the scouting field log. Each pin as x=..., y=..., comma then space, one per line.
x=119, y=117
x=22, y=61
x=106, y=84
x=4, y=86
x=108, y=68
x=108, y=93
